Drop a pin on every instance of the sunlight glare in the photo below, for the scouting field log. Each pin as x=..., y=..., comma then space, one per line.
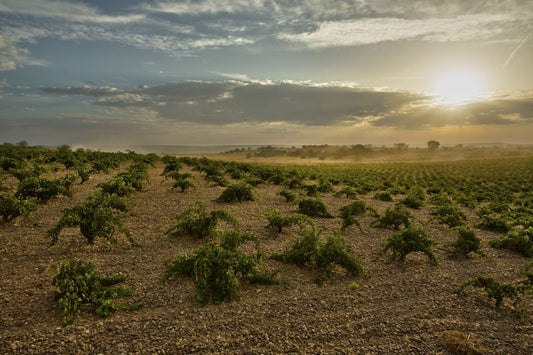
x=457, y=88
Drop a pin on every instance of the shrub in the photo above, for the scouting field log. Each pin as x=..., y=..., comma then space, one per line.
x=278, y=221
x=136, y=175
x=42, y=189
x=325, y=186
x=26, y=172
x=415, y=198
x=97, y=217
x=336, y=251
x=104, y=164
x=311, y=190
x=409, y=240
x=172, y=165
x=494, y=222
x=83, y=173
x=498, y=291
x=218, y=180
x=237, y=193
x=467, y=241
x=519, y=239
x=449, y=214
x=11, y=207
x=348, y=191
x=117, y=186
x=183, y=184
x=181, y=180
x=254, y=181
x=289, y=195
x=441, y=199
x=313, y=208
x=356, y=208
x=79, y=287
x=217, y=270
x=394, y=218
x=199, y=223
x=308, y=249
x=383, y=196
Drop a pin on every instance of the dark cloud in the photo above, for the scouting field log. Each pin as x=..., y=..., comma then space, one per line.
x=230, y=102
x=93, y=91
x=496, y=111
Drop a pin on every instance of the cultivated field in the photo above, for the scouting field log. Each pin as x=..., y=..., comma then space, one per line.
x=322, y=304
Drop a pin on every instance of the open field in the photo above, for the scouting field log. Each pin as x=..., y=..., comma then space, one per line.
x=391, y=308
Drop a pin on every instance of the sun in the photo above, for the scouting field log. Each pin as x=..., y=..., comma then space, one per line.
x=457, y=87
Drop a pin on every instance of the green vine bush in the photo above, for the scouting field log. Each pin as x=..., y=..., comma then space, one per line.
x=218, y=180
x=43, y=189
x=181, y=180
x=325, y=186
x=394, y=218
x=311, y=190
x=467, y=242
x=519, y=239
x=218, y=270
x=80, y=288
x=313, y=208
x=310, y=250
x=172, y=164
x=117, y=186
x=415, y=198
x=98, y=217
x=494, y=222
x=83, y=173
x=348, y=192
x=237, y=193
x=135, y=176
x=449, y=214
x=409, y=240
x=383, y=196
x=11, y=207
x=278, y=221
x=498, y=291
x=356, y=208
x=290, y=196
x=197, y=222
x=26, y=172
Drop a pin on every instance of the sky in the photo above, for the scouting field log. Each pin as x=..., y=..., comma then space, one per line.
x=136, y=72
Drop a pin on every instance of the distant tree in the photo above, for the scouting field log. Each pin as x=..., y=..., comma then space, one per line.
x=401, y=146
x=433, y=145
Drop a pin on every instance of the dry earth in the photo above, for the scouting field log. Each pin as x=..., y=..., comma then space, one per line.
x=409, y=309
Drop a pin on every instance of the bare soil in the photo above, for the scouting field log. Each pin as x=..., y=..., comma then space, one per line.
x=394, y=309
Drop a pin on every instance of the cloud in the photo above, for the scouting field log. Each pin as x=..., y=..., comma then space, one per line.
x=515, y=50
x=498, y=111
x=11, y=56
x=83, y=90
x=304, y=104
x=233, y=102
x=64, y=10
x=376, y=30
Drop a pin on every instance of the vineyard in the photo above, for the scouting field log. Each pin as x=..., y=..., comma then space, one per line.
x=139, y=253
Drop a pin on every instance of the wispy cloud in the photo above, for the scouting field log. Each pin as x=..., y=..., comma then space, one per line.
x=64, y=10
x=515, y=50
x=375, y=30
x=11, y=56
x=188, y=27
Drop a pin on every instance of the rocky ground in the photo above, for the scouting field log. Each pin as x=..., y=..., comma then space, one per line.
x=393, y=309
